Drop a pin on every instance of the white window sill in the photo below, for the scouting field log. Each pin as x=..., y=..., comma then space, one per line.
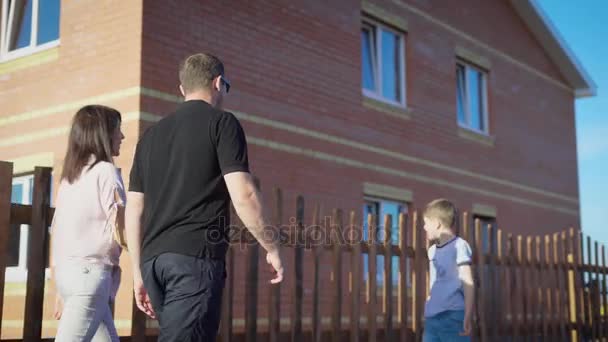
x=475, y=135
x=30, y=50
x=380, y=104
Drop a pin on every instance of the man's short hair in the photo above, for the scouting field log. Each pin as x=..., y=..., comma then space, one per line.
x=442, y=210
x=197, y=71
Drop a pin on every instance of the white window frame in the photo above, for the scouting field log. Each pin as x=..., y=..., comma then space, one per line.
x=377, y=63
x=465, y=102
x=18, y=274
x=6, y=20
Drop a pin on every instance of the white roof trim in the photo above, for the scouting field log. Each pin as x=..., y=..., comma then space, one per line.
x=555, y=46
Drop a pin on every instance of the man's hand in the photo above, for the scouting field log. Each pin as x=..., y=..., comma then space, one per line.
x=58, y=310
x=141, y=298
x=467, y=326
x=274, y=260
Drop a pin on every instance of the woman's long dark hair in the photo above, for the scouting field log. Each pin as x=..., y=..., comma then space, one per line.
x=91, y=134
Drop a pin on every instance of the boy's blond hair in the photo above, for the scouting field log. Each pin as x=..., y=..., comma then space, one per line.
x=442, y=210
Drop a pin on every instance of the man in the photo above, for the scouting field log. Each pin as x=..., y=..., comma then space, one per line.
x=185, y=171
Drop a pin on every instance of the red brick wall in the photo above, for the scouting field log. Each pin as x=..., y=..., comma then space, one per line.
x=300, y=64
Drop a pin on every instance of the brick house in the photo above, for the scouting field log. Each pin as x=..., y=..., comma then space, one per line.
x=377, y=104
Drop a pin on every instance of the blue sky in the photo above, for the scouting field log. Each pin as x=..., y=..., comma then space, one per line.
x=583, y=25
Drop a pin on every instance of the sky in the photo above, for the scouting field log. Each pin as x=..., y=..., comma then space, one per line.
x=583, y=25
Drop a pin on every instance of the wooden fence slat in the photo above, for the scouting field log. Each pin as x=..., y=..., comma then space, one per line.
x=588, y=302
x=581, y=285
x=534, y=322
x=525, y=288
x=501, y=293
x=403, y=288
x=560, y=271
x=37, y=254
x=356, y=257
x=316, y=276
x=388, y=279
x=577, y=251
x=538, y=287
x=251, y=292
x=372, y=296
x=491, y=299
x=481, y=288
x=6, y=177
x=597, y=304
x=574, y=285
x=551, y=287
x=22, y=213
x=138, y=323
x=543, y=275
x=418, y=287
x=274, y=298
x=604, y=294
x=466, y=229
x=517, y=282
x=548, y=330
x=298, y=265
x=563, y=300
x=337, y=277
x=545, y=296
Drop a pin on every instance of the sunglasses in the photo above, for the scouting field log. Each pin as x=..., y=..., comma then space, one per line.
x=226, y=83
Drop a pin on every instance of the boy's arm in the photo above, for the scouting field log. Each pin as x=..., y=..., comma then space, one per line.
x=465, y=274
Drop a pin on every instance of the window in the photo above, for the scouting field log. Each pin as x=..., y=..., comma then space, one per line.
x=22, y=191
x=16, y=270
x=471, y=97
x=28, y=26
x=383, y=63
x=379, y=208
x=485, y=238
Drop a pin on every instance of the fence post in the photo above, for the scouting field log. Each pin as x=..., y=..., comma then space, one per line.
x=372, y=295
x=37, y=255
x=604, y=299
x=573, y=291
x=481, y=287
x=298, y=290
x=597, y=304
x=138, y=323
x=417, y=284
x=6, y=177
x=316, y=303
x=274, y=298
x=403, y=258
x=337, y=276
x=355, y=240
x=388, y=278
x=251, y=291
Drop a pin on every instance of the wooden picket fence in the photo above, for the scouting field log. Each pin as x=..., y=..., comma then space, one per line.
x=550, y=288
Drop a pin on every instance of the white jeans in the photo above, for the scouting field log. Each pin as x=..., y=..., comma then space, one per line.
x=86, y=290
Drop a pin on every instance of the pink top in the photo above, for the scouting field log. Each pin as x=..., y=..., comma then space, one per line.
x=85, y=213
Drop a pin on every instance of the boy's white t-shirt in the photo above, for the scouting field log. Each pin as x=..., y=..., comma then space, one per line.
x=446, y=292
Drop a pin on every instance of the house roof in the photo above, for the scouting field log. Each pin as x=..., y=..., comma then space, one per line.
x=546, y=33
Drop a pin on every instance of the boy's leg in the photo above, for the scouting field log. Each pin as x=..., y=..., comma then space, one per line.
x=431, y=330
x=450, y=326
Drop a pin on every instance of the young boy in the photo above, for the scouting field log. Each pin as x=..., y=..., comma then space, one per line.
x=448, y=311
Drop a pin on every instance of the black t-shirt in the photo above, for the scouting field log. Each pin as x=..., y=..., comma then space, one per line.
x=179, y=165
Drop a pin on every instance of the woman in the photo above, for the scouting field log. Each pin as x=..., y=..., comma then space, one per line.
x=89, y=205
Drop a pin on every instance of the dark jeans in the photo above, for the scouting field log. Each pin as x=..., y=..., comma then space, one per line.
x=186, y=293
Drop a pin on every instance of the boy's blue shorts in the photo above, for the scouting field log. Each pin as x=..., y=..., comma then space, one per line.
x=444, y=327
